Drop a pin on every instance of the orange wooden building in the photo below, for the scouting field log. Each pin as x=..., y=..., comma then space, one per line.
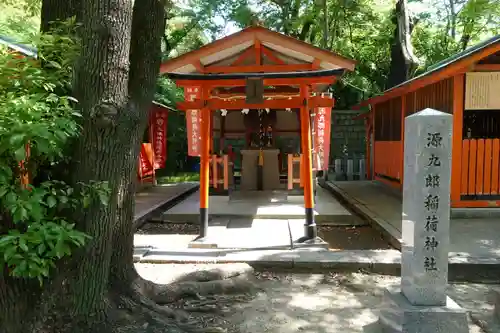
x=257, y=74
x=467, y=86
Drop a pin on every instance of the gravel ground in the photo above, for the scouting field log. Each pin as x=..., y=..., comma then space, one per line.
x=319, y=303
x=162, y=228
x=338, y=237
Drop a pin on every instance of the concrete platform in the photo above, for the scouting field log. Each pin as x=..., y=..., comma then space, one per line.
x=327, y=209
x=151, y=200
x=247, y=233
x=159, y=249
x=472, y=240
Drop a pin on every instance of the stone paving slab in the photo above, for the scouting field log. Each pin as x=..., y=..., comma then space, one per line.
x=327, y=209
x=474, y=240
x=151, y=199
x=244, y=233
x=376, y=206
x=311, y=259
x=235, y=233
x=178, y=242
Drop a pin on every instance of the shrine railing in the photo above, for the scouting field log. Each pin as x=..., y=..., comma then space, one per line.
x=480, y=169
x=220, y=163
x=293, y=161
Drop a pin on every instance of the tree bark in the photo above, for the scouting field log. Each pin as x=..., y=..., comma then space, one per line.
x=403, y=60
x=453, y=20
x=148, y=26
x=57, y=10
x=18, y=299
x=101, y=87
x=98, y=289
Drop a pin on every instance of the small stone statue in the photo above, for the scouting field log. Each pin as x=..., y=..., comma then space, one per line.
x=269, y=135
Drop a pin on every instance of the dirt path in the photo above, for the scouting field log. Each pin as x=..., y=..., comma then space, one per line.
x=317, y=303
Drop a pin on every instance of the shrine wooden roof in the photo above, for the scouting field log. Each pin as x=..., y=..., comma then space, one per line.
x=458, y=63
x=21, y=48
x=226, y=51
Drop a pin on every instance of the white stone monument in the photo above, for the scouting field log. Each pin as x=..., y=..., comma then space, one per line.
x=421, y=305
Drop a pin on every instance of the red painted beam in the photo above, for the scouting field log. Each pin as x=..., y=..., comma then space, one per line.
x=258, y=68
x=238, y=104
x=267, y=82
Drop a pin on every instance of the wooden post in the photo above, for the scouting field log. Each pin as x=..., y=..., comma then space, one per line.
x=402, y=139
x=150, y=134
x=368, y=157
x=301, y=166
x=373, y=153
x=211, y=132
x=204, y=169
x=214, y=171
x=222, y=133
x=311, y=231
x=258, y=55
x=226, y=172
x=456, y=150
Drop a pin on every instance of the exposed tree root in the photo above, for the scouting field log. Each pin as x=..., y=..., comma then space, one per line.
x=209, y=292
x=221, y=273
x=195, y=303
x=233, y=279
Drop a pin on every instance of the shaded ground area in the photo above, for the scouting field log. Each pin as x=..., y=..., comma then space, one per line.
x=474, y=233
x=338, y=237
x=161, y=228
x=314, y=303
x=353, y=238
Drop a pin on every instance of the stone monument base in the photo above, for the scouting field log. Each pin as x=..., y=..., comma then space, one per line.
x=397, y=315
x=496, y=296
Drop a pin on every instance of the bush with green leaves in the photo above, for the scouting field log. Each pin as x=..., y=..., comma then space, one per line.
x=37, y=125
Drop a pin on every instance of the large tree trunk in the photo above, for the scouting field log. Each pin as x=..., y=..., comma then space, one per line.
x=101, y=87
x=98, y=289
x=18, y=298
x=57, y=10
x=403, y=60
x=148, y=27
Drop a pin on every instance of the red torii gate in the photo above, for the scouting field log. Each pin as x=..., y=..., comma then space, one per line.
x=256, y=69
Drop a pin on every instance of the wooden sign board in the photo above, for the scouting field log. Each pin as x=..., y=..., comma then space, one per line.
x=254, y=90
x=482, y=91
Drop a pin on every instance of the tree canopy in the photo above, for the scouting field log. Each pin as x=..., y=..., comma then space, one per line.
x=358, y=29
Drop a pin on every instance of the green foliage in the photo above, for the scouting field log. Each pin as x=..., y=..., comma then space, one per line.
x=19, y=19
x=450, y=29
x=31, y=7
x=179, y=177
x=37, y=123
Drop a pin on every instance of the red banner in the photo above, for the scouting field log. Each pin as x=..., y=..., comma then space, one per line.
x=322, y=128
x=146, y=168
x=193, y=121
x=158, y=130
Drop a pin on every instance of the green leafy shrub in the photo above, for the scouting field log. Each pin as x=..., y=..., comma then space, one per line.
x=37, y=125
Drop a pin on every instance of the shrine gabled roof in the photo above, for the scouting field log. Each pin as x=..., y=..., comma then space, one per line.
x=286, y=47
x=26, y=50
x=439, y=71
